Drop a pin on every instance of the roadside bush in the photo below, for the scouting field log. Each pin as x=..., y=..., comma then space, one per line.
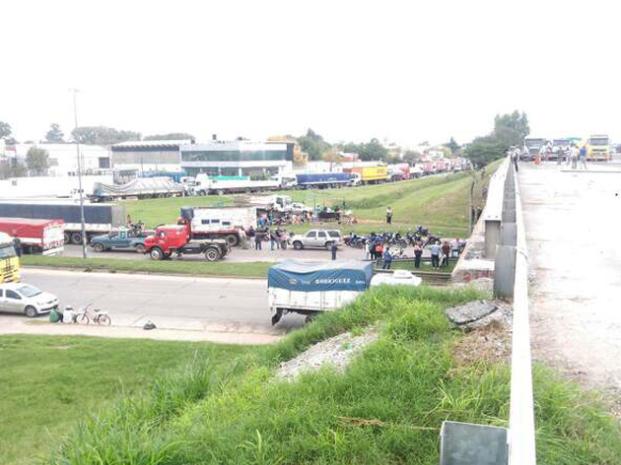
x=420, y=320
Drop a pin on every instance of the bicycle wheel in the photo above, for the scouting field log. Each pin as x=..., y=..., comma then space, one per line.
x=83, y=319
x=104, y=320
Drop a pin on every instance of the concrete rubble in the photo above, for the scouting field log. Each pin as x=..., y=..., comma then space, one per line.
x=480, y=314
x=337, y=351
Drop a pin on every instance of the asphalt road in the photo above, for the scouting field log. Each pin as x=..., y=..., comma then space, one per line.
x=180, y=303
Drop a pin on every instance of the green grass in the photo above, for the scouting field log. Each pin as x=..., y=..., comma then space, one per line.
x=438, y=202
x=402, y=387
x=50, y=383
x=189, y=267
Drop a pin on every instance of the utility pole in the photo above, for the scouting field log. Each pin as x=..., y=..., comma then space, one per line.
x=80, y=190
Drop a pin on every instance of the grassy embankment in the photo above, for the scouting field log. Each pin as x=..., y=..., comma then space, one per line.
x=386, y=408
x=438, y=202
x=193, y=267
x=48, y=383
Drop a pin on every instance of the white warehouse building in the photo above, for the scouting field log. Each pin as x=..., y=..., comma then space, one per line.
x=258, y=160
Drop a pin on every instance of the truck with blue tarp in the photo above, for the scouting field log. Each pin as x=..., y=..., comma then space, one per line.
x=308, y=288
x=309, y=180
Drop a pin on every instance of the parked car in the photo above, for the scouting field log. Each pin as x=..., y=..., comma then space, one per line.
x=122, y=239
x=26, y=299
x=315, y=238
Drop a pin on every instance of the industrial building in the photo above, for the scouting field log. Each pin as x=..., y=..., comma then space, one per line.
x=259, y=160
x=133, y=158
x=95, y=159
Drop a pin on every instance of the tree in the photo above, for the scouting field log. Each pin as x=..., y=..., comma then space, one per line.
x=511, y=129
x=12, y=169
x=331, y=156
x=5, y=130
x=170, y=136
x=484, y=150
x=373, y=150
x=313, y=144
x=412, y=156
x=101, y=135
x=453, y=146
x=55, y=135
x=38, y=161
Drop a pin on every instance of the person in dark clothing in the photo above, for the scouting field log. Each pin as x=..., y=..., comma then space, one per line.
x=258, y=239
x=418, y=253
x=387, y=259
x=333, y=249
x=17, y=245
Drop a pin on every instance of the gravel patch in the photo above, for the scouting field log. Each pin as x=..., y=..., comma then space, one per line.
x=337, y=351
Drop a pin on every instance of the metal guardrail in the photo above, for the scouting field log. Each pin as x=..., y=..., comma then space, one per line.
x=522, y=448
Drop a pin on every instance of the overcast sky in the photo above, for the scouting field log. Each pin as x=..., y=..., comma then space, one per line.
x=406, y=71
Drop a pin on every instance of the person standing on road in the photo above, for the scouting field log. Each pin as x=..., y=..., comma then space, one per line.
x=333, y=249
x=389, y=215
x=435, y=254
x=515, y=155
x=582, y=156
x=258, y=239
x=251, y=234
x=387, y=259
x=573, y=154
x=418, y=253
x=446, y=250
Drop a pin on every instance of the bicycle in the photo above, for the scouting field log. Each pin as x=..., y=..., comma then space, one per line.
x=85, y=315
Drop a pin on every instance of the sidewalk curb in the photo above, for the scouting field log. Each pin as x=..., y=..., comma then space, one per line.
x=147, y=273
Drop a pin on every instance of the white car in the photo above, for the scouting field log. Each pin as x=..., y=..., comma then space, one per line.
x=314, y=238
x=396, y=277
x=297, y=208
x=26, y=299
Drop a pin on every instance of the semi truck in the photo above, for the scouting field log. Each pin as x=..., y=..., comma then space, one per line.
x=369, y=174
x=177, y=239
x=35, y=236
x=598, y=148
x=9, y=262
x=309, y=180
x=533, y=145
x=141, y=188
x=98, y=218
x=219, y=222
x=206, y=185
x=399, y=171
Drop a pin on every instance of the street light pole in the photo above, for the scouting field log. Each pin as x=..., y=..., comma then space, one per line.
x=80, y=191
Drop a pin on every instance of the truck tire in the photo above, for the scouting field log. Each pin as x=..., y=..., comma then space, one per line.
x=76, y=238
x=140, y=248
x=328, y=245
x=220, y=192
x=232, y=240
x=156, y=253
x=98, y=247
x=297, y=245
x=212, y=254
x=67, y=237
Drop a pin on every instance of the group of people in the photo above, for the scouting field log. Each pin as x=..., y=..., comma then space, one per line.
x=277, y=237
x=571, y=155
x=441, y=251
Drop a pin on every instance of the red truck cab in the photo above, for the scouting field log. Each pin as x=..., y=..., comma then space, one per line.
x=175, y=238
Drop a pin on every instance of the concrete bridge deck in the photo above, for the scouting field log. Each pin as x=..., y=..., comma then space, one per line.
x=573, y=230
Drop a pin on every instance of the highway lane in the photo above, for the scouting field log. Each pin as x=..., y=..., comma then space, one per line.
x=214, y=304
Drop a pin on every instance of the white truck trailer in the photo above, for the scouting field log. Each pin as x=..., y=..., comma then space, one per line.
x=220, y=222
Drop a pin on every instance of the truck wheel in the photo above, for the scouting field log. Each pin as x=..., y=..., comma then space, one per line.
x=232, y=240
x=140, y=248
x=220, y=192
x=212, y=254
x=76, y=238
x=156, y=253
x=328, y=245
x=99, y=247
x=297, y=245
x=67, y=237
